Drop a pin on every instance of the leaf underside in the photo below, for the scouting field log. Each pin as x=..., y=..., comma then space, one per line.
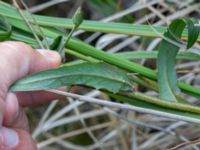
x=97, y=75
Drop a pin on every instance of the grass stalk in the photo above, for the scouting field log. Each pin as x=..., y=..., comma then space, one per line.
x=93, y=26
x=163, y=103
x=80, y=56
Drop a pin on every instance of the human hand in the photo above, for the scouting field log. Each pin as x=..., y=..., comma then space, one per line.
x=16, y=61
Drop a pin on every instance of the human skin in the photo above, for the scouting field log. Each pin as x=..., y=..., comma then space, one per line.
x=16, y=61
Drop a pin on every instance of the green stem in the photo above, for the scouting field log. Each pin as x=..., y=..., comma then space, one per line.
x=153, y=86
x=62, y=50
x=88, y=50
x=142, y=54
x=163, y=103
x=144, y=82
x=69, y=35
x=80, y=56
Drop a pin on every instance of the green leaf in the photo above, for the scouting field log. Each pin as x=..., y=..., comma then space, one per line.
x=77, y=19
x=97, y=75
x=94, y=26
x=5, y=28
x=193, y=31
x=140, y=54
x=167, y=78
x=53, y=43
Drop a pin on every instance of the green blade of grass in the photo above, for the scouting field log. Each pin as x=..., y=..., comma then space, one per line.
x=138, y=103
x=163, y=103
x=140, y=54
x=95, y=26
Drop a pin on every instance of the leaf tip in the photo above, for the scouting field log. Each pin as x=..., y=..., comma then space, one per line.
x=78, y=17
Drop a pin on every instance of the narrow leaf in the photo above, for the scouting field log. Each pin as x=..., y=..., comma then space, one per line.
x=53, y=43
x=97, y=75
x=193, y=32
x=119, y=28
x=141, y=104
x=77, y=19
x=167, y=78
x=134, y=55
x=5, y=28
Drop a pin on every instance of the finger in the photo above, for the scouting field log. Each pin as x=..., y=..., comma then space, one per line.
x=14, y=133
x=2, y=110
x=18, y=60
x=27, y=99
x=16, y=139
x=26, y=141
x=14, y=116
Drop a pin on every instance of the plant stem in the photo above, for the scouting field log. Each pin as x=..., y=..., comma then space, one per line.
x=142, y=54
x=150, y=84
x=69, y=35
x=62, y=50
x=163, y=103
x=144, y=82
x=80, y=56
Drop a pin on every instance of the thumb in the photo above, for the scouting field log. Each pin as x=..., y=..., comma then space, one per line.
x=16, y=139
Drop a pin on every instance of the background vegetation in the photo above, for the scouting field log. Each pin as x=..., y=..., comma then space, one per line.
x=71, y=124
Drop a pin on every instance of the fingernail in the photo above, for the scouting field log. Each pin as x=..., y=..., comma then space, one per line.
x=8, y=138
x=49, y=54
